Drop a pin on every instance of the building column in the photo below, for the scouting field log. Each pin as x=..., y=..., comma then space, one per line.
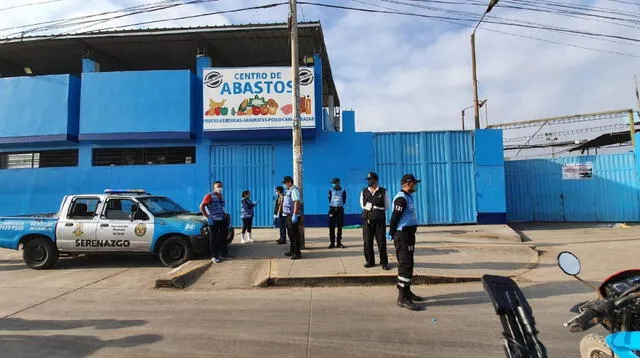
x=89, y=65
x=203, y=145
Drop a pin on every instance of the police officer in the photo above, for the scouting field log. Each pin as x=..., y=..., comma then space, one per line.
x=212, y=207
x=374, y=201
x=337, y=198
x=402, y=228
x=279, y=220
x=292, y=209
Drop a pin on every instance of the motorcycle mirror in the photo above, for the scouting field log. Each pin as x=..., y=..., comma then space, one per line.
x=569, y=263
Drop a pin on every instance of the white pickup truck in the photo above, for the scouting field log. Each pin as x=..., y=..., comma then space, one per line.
x=116, y=221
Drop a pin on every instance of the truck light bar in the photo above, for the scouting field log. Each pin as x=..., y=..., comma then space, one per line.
x=125, y=191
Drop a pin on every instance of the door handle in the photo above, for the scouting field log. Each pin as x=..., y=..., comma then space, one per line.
x=104, y=225
x=68, y=224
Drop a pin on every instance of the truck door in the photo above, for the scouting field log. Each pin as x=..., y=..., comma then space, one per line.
x=119, y=231
x=77, y=226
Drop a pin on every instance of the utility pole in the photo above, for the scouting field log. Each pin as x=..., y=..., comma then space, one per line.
x=296, y=128
x=462, y=119
x=476, y=104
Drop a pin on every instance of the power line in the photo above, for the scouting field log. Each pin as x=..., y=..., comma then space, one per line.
x=28, y=4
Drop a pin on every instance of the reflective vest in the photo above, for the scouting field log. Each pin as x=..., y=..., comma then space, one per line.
x=247, y=209
x=336, y=198
x=216, y=208
x=377, y=200
x=287, y=204
x=409, y=216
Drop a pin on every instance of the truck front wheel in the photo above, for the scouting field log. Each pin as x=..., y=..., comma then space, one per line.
x=40, y=254
x=174, y=251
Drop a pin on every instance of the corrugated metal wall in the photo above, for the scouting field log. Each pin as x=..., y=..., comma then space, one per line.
x=443, y=160
x=245, y=167
x=536, y=191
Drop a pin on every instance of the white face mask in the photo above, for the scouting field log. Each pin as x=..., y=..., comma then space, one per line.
x=218, y=190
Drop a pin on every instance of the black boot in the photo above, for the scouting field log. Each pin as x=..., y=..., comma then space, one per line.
x=332, y=245
x=339, y=245
x=413, y=297
x=405, y=302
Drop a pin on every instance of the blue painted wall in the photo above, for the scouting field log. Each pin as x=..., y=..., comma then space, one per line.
x=536, y=191
x=444, y=163
x=136, y=102
x=39, y=106
x=490, y=179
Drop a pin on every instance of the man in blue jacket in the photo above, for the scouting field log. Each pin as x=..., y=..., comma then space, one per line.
x=337, y=199
x=213, y=208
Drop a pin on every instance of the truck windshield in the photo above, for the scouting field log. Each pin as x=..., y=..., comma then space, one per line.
x=162, y=206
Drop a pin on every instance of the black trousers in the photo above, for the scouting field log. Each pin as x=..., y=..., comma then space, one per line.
x=336, y=220
x=371, y=229
x=247, y=223
x=294, y=236
x=218, y=239
x=405, y=242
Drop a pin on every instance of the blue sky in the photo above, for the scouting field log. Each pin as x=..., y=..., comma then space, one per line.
x=408, y=73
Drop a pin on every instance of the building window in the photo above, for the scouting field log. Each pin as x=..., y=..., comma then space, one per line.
x=39, y=159
x=143, y=156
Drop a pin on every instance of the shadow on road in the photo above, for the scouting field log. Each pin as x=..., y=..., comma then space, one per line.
x=19, y=324
x=69, y=346
x=536, y=291
x=108, y=261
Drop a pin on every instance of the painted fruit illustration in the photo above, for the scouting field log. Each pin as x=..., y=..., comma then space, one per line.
x=264, y=111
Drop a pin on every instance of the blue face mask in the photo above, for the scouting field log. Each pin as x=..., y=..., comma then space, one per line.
x=334, y=185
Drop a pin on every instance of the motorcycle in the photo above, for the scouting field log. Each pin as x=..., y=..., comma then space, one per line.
x=617, y=310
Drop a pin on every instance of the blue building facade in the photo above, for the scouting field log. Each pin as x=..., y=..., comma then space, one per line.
x=87, y=131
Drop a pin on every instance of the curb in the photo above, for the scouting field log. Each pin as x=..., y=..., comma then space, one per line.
x=183, y=275
x=335, y=281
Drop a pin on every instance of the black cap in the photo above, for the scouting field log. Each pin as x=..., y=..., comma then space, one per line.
x=371, y=176
x=287, y=179
x=335, y=180
x=409, y=178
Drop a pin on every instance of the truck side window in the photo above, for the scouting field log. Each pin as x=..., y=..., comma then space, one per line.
x=83, y=208
x=118, y=209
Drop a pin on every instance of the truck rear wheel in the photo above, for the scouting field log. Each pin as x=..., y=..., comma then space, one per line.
x=174, y=251
x=40, y=253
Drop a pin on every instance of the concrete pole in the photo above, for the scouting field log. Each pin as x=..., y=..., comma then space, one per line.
x=297, y=130
x=462, y=113
x=476, y=104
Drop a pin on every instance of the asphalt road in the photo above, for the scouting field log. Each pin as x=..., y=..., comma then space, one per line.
x=108, y=310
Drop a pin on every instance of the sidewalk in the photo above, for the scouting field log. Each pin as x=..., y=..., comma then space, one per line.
x=443, y=255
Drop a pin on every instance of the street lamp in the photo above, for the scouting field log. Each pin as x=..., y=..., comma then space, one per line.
x=463, y=110
x=476, y=105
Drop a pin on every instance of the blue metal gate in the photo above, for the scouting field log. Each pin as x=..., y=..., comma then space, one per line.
x=245, y=167
x=536, y=190
x=443, y=160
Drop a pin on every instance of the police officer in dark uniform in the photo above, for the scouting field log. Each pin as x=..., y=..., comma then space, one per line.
x=374, y=201
x=337, y=198
x=403, y=227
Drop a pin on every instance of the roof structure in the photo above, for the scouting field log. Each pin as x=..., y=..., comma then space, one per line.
x=165, y=49
x=604, y=140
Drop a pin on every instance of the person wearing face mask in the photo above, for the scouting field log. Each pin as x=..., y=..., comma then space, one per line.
x=337, y=198
x=292, y=209
x=402, y=229
x=374, y=201
x=246, y=214
x=212, y=207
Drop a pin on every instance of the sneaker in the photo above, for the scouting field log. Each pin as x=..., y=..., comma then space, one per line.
x=332, y=246
x=408, y=304
x=340, y=246
x=216, y=260
x=287, y=254
x=369, y=265
x=386, y=267
x=281, y=242
x=296, y=257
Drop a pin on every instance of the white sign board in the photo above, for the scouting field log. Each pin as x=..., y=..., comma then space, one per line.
x=575, y=171
x=255, y=98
